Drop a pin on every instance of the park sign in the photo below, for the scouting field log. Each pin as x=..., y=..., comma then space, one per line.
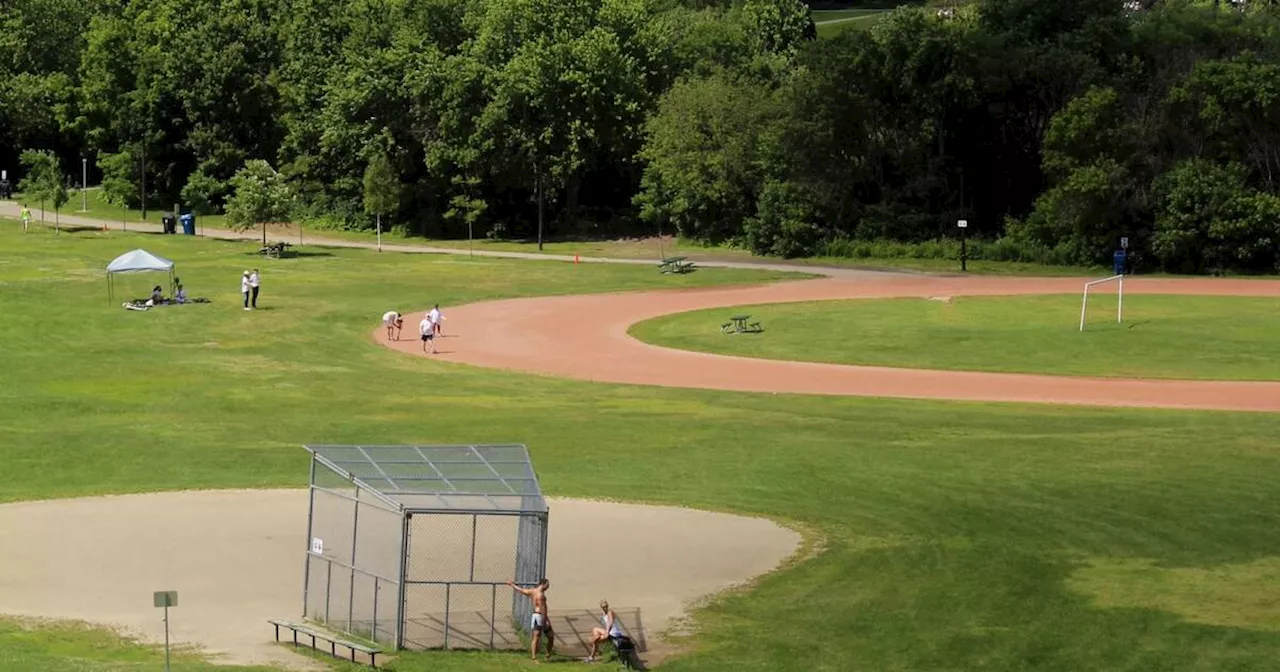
x=166, y=598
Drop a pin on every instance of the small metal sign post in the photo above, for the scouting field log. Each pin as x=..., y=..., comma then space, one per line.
x=964, y=251
x=166, y=599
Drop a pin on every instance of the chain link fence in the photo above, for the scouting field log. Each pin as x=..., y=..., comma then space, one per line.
x=455, y=587
x=353, y=560
x=412, y=546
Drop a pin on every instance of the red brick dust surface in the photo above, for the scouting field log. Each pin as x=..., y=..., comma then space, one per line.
x=585, y=337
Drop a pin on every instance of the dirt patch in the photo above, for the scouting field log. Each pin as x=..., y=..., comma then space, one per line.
x=585, y=337
x=236, y=559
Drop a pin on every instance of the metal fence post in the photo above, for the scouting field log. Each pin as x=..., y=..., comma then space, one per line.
x=377, y=583
x=328, y=590
x=351, y=588
x=493, y=612
x=472, y=575
x=405, y=549
x=447, y=607
x=311, y=511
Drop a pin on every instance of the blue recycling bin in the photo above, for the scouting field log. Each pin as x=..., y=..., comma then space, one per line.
x=1119, y=261
x=188, y=224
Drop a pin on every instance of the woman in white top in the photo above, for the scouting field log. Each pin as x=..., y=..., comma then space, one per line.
x=244, y=288
x=612, y=630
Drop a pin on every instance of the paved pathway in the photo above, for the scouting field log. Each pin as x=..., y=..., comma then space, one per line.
x=12, y=209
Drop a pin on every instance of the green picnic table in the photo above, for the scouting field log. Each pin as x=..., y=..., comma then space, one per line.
x=675, y=265
x=738, y=325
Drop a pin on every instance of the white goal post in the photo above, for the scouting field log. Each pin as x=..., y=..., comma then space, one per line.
x=1084, y=301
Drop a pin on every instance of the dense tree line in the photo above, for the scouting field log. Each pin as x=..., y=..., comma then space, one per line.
x=1053, y=126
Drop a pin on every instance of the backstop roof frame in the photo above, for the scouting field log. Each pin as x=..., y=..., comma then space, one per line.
x=461, y=478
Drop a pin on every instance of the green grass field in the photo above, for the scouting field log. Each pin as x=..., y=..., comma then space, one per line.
x=953, y=536
x=833, y=22
x=1232, y=338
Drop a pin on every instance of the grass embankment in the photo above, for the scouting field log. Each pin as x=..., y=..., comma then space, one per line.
x=898, y=257
x=833, y=22
x=1231, y=338
x=957, y=537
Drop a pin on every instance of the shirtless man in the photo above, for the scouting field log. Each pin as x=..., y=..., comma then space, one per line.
x=541, y=622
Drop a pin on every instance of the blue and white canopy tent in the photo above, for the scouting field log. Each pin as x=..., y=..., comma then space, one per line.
x=137, y=261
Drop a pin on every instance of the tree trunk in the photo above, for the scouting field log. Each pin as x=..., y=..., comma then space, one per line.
x=539, y=190
x=264, y=234
x=378, y=225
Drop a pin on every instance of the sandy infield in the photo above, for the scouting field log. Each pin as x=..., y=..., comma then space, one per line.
x=236, y=559
x=585, y=337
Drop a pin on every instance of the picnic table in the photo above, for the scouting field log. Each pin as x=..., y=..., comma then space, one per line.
x=275, y=250
x=738, y=325
x=675, y=265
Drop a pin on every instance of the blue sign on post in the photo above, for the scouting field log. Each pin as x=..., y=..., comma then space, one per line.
x=1119, y=261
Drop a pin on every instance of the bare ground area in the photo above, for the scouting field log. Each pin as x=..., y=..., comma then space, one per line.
x=236, y=559
x=586, y=337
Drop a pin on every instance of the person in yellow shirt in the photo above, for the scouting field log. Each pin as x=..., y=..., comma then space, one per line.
x=26, y=217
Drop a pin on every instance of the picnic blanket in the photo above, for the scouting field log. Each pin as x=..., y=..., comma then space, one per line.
x=147, y=304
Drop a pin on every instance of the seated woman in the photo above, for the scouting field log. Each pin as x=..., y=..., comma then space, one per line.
x=180, y=296
x=157, y=296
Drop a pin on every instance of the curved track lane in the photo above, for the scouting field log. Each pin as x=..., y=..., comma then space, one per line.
x=585, y=337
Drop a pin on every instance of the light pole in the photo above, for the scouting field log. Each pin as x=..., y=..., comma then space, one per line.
x=963, y=225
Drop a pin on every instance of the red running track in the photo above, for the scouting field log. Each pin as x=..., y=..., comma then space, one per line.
x=585, y=337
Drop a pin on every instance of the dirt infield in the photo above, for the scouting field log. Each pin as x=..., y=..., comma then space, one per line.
x=585, y=337
x=236, y=559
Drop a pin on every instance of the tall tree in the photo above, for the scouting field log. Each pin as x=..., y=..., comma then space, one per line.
x=260, y=197
x=117, y=181
x=43, y=182
x=381, y=190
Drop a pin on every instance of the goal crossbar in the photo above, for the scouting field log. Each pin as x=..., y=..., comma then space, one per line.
x=1084, y=301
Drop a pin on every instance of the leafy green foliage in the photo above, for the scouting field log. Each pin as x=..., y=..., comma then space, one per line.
x=43, y=181
x=1045, y=121
x=261, y=196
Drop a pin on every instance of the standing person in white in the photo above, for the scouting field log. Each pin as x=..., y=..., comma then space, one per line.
x=254, y=280
x=427, y=329
x=244, y=288
x=436, y=317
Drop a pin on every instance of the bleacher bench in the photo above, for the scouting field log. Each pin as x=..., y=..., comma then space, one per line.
x=334, y=641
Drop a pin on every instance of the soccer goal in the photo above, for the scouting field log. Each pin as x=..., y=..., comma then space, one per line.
x=1084, y=301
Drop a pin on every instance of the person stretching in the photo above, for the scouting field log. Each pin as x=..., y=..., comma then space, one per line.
x=393, y=321
x=540, y=624
x=427, y=329
x=612, y=630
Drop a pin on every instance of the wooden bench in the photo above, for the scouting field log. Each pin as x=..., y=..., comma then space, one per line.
x=275, y=250
x=334, y=641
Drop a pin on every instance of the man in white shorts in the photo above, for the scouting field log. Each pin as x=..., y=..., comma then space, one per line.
x=540, y=623
x=393, y=321
x=427, y=330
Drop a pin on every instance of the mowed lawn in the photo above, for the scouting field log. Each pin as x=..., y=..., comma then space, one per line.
x=833, y=22
x=1215, y=338
x=950, y=536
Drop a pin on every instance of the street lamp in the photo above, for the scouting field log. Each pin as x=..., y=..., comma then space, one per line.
x=963, y=225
